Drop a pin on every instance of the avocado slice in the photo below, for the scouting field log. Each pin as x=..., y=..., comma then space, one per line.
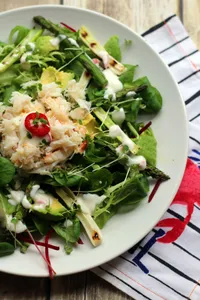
x=54, y=212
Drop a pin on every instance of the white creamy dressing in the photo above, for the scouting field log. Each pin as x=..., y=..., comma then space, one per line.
x=105, y=57
x=40, y=198
x=130, y=94
x=62, y=37
x=88, y=202
x=114, y=84
x=34, y=190
x=118, y=116
x=115, y=131
x=55, y=41
x=73, y=42
x=24, y=57
x=67, y=223
x=32, y=46
x=15, y=197
x=18, y=227
x=137, y=160
x=25, y=203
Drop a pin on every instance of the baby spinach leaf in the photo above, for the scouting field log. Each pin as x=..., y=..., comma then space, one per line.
x=7, y=171
x=152, y=98
x=127, y=76
x=61, y=177
x=147, y=146
x=70, y=234
x=97, y=181
x=113, y=48
x=42, y=226
x=5, y=235
x=6, y=249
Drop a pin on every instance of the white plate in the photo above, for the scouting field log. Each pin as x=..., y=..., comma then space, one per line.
x=170, y=127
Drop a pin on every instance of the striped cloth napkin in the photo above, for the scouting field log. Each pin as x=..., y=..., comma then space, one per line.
x=166, y=263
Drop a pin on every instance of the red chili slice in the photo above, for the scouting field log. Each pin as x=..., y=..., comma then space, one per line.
x=83, y=146
x=37, y=124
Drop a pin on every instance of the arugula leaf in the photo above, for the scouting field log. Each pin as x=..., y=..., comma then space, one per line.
x=127, y=76
x=70, y=234
x=147, y=146
x=124, y=194
x=113, y=48
x=152, y=98
x=26, y=76
x=7, y=171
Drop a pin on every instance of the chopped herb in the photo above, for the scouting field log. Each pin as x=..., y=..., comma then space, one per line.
x=29, y=135
x=43, y=121
x=45, y=142
x=128, y=43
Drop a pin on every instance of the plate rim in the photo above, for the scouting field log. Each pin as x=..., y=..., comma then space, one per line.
x=185, y=155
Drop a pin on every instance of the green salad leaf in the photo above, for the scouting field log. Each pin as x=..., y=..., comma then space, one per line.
x=128, y=75
x=7, y=171
x=113, y=48
x=121, y=195
x=152, y=98
x=147, y=146
x=70, y=234
x=42, y=225
x=6, y=249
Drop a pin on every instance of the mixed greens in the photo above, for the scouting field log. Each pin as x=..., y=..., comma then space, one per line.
x=73, y=153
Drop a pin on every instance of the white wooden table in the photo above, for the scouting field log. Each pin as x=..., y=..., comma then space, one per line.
x=138, y=15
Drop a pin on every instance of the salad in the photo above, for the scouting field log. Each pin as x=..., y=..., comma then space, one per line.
x=72, y=151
